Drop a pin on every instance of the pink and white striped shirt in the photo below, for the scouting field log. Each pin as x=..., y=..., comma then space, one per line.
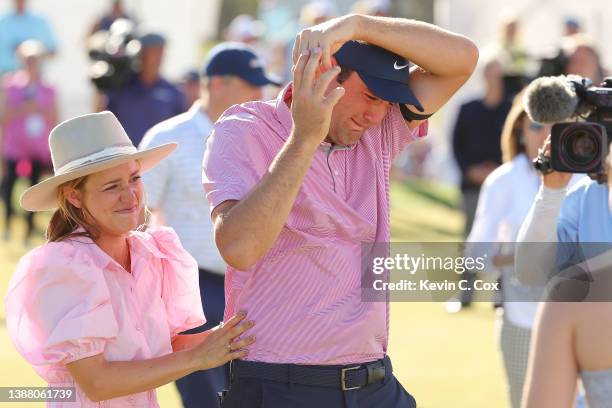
x=305, y=293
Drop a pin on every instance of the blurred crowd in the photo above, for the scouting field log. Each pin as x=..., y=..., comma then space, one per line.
x=126, y=62
x=126, y=71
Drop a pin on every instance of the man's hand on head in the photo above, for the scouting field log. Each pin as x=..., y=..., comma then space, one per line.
x=328, y=36
x=312, y=105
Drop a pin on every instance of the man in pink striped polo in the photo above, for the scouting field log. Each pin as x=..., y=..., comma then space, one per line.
x=297, y=184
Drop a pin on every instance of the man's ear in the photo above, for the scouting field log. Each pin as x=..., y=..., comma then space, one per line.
x=334, y=62
x=73, y=196
x=217, y=83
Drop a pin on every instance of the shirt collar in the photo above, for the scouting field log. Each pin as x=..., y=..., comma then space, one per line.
x=523, y=161
x=136, y=82
x=201, y=120
x=283, y=115
x=100, y=258
x=137, y=241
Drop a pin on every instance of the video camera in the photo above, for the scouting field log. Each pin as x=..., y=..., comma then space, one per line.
x=114, y=55
x=580, y=146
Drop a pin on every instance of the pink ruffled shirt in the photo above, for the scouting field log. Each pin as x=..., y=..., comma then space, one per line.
x=69, y=300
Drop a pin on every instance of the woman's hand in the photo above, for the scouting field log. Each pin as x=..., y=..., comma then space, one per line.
x=101, y=379
x=222, y=343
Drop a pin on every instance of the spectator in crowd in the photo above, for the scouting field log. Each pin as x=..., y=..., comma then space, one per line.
x=116, y=12
x=582, y=58
x=245, y=29
x=381, y=8
x=503, y=204
x=476, y=147
x=147, y=98
x=566, y=227
x=190, y=86
x=576, y=55
x=317, y=12
x=18, y=26
x=517, y=65
x=572, y=26
x=312, y=13
x=476, y=137
x=233, y=74
x=28, y=111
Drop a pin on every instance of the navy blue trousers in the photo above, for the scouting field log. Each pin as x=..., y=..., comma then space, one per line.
x=199, y=389
x=256, y=393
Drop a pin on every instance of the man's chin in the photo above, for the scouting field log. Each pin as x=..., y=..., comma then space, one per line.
x=346, y=138
x=353, y=137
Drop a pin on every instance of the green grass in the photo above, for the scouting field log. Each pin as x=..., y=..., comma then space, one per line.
x=443, y=360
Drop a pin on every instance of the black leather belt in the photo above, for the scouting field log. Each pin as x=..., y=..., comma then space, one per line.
x=350, y=377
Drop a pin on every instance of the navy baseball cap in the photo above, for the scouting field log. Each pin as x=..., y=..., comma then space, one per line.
x=384, y=72
x=240, y=60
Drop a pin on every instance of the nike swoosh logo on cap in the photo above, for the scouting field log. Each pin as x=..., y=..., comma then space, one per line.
x=398, y=67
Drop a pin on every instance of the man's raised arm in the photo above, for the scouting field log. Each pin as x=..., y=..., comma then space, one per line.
x=444, y=60
x=245, y=230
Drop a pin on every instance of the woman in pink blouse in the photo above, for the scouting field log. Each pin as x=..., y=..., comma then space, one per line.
x=101, y=305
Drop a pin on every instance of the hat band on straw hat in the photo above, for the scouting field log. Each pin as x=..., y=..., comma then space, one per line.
x=100, y=156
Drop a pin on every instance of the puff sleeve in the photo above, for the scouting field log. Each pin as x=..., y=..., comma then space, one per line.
x=58, y=307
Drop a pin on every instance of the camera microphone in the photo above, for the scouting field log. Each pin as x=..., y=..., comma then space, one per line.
x=551, y=99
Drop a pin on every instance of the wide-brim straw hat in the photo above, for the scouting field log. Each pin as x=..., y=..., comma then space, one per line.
x=85, y=145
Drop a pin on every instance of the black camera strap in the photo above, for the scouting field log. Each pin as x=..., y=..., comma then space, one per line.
x=542, y=163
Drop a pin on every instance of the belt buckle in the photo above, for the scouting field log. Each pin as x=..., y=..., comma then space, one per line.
x=343, y=378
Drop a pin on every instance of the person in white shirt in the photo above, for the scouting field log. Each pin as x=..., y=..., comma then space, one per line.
x=503, y=204
x=233, y=74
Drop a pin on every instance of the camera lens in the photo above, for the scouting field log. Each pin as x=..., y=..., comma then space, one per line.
x=581, y=147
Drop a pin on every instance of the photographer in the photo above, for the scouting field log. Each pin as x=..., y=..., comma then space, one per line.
x=146, y=98
x=571, y=339
x=582, y=215
x=504, y=201
x=568, y=229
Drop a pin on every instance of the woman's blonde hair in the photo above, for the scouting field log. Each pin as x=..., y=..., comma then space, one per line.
x=67, y=218
x=512, y=132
